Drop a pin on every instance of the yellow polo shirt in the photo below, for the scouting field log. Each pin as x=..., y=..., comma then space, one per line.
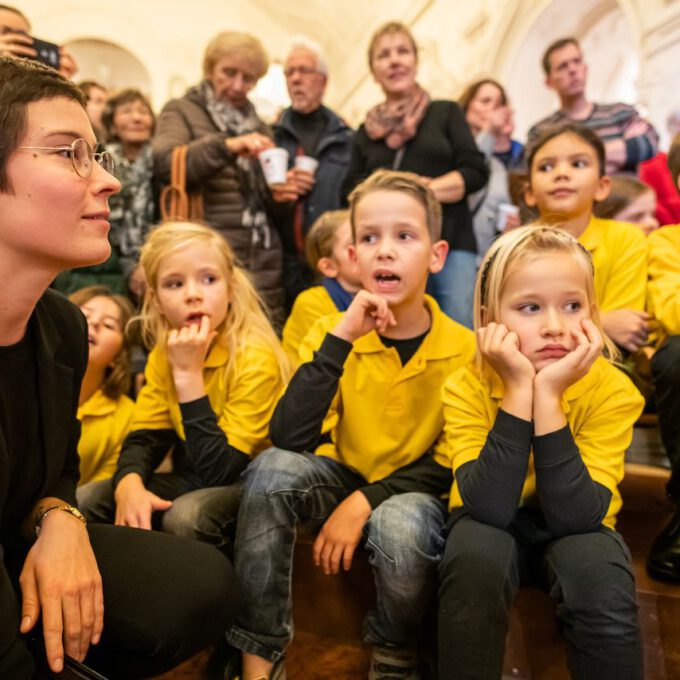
x=601, y=409
x=105, y=423
x=385, y=415
x=619, y=252
x=664, y=277
x=243, y=401
x=309, y=306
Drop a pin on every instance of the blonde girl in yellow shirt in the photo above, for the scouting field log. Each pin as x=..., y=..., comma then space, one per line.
x=535, y=433
x=212, y=380
x=104, y=410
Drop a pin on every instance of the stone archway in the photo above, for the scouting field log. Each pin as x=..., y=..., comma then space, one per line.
x=105, y=62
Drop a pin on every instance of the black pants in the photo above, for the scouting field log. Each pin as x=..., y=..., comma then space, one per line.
x=666, y=376
x=588, y=575
x=165, y=598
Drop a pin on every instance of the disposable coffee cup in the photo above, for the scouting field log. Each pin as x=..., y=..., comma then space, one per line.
x=505, y=210
x=306, y=163
x=274, y=164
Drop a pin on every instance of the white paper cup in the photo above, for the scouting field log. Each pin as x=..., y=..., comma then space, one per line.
x=306, y=163
x=505, y=210
x=274, y=164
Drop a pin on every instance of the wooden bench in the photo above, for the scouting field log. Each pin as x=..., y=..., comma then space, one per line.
x=329, y=609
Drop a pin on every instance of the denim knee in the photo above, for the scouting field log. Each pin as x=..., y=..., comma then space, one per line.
x=206, y=515
x=407, y=528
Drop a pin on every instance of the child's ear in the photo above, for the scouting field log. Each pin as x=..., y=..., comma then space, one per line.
x=327, y=266
x=440, y=249
x=529, y=197
x=604, y=185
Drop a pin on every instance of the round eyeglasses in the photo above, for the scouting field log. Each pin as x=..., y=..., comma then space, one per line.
x=81, y=155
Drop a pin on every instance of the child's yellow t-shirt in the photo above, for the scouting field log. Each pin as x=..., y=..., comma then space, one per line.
x=601, y=409
x=243, y=400
x=664, y=277
x=385, y=415
x=619, y=252
x=104, y=424
x=309, y=306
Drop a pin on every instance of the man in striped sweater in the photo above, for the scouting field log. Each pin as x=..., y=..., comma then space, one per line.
x=628, y=138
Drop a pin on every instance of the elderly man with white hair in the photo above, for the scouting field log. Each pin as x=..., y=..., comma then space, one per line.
x=308, y=128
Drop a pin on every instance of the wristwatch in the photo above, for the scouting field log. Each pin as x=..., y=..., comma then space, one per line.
x=65, y=507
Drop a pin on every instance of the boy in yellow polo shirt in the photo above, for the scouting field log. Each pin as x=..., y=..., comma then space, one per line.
x=354, y=429
x=566, y=177
x=327, y=251
x=664, y=301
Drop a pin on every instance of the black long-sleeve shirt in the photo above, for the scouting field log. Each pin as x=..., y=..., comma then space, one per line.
x=491, y=485
x=206, y=453
x=298, y=419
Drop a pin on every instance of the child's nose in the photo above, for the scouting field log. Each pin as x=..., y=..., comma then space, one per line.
x=552, y=322
x=192, y=290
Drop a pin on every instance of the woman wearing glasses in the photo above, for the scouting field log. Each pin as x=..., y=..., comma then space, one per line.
x=224, y=135
x=129, y=122
x=68, y=591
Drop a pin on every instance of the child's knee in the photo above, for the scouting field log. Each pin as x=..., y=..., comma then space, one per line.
x=408, y=526
x=276, y=470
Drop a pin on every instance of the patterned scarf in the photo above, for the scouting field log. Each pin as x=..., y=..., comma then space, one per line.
x=253, y=187
x=132, y=210
x=398, y=122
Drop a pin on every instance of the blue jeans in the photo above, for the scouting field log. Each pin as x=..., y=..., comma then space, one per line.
x=207, y=515
x=454, y=286
x=404, y=537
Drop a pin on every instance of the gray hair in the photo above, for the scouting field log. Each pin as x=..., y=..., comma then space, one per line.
x=305, y=43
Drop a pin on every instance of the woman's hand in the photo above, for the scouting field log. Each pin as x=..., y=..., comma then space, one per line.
x=367, y=312
x=341, y=534
x=249, y=145
x=14, y=44
x=628, y=328
x=187, y=349
x=552, y=380
x=448, y=188
x=135, y=504
x=61, y=578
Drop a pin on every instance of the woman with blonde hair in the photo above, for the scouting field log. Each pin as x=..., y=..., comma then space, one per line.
x=410, y=132
x=212, y=380
x=224, y=135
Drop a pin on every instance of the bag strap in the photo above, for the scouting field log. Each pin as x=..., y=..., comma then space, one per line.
x=175, y=203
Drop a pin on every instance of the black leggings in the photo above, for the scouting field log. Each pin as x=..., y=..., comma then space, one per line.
x=165, y=598
x=588, y=575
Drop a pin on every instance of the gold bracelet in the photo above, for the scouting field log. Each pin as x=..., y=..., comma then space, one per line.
x=65, y=507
